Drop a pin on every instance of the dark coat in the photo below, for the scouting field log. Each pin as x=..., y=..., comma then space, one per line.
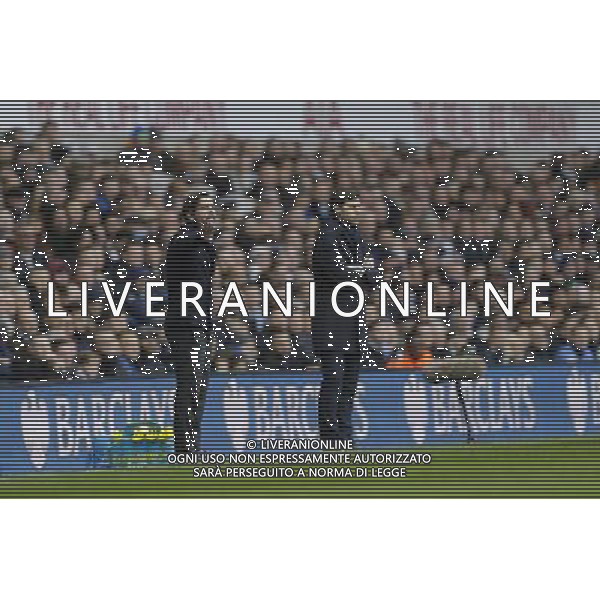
x=190, y=257
x=338, y=248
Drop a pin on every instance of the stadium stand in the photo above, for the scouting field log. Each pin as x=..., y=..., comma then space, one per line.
x=431, y=214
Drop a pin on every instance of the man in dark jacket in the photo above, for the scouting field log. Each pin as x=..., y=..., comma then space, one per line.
x=339, y=256
x=190, y=258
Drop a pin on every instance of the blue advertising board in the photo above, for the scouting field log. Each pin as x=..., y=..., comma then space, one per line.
x=70, y=426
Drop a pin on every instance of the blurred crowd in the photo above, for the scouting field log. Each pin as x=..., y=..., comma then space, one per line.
x=436, y=213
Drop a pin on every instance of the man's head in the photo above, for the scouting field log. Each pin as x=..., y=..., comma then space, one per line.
x=348, y=211
x=200, y=209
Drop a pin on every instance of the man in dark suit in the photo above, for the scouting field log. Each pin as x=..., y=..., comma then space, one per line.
x=339, y=255
x=190, y=257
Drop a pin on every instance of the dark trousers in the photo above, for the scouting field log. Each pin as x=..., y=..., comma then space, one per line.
x=190, y=355
x=340, y=370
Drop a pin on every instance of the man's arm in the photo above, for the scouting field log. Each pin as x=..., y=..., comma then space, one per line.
x=328, y=256
x=364, y=270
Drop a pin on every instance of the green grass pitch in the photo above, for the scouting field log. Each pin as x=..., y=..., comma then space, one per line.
x=565, y=468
